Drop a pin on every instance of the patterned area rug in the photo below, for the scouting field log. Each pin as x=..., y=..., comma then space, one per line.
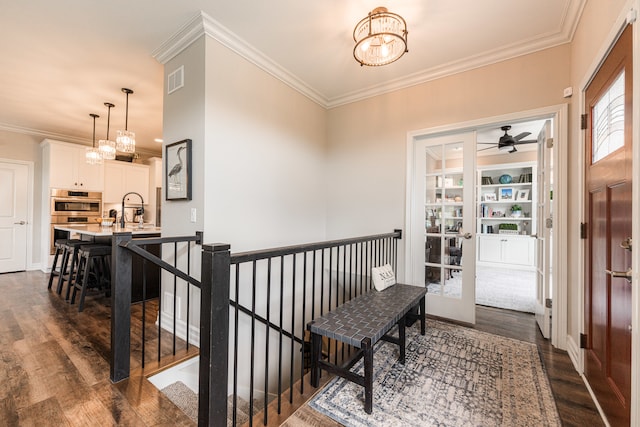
x=453, y=376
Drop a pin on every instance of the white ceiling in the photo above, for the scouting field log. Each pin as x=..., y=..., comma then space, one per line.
x=61, y=60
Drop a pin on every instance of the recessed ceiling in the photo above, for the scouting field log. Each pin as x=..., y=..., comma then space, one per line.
x=62, y=60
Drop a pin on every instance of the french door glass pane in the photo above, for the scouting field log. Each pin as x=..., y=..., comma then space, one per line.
x=443, y=219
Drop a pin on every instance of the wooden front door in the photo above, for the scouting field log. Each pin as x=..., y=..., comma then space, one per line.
x=608, y=256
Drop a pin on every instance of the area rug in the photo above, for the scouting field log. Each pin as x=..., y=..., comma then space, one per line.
x=497, y=287
x=452, y=376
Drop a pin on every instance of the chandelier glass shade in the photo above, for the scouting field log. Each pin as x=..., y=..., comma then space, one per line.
x=126, y=139
x=106, y=146
x=92, y=154
x=381, y=38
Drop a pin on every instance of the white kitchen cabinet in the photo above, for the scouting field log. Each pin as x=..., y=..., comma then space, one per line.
x=500, y=250
x=123, y=177
x=68, y=168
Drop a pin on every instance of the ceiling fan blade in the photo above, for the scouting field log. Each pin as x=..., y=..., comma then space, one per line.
x=519, y=136
x=488, y=148
x=527, y=141
x=486, y=143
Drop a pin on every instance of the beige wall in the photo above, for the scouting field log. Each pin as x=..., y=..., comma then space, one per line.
x=18, y=146
x=366, y=174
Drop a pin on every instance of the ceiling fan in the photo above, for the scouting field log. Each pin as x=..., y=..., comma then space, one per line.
x=507, y=143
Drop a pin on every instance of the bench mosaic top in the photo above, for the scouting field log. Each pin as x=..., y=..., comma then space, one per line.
x=370, y=315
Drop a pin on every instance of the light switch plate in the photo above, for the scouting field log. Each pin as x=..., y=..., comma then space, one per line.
x=193, y=215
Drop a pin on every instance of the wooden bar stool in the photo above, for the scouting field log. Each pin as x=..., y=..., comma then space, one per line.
x=69, y=251
x=59, y=250
x=93, y=271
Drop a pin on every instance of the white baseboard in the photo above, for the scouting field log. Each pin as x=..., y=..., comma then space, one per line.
x=181, y=328
x=573, y=349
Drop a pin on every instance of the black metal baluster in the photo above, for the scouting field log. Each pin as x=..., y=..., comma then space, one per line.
x=330, y=292
x=293, y=327
x=322, y=283
x=235, y=348
x=266, y=349
x=253, y=341
x=175, y=294
x=280, y=335
x=188, y=290
x=144, y=305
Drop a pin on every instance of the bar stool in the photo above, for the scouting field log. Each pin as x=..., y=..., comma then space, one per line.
x=59, y=250
x=69, y=250
x=93, y=271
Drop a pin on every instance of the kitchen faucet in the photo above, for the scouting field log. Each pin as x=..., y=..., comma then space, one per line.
x=139, y=211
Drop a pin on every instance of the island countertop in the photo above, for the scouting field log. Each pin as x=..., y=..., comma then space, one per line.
x=96, y=230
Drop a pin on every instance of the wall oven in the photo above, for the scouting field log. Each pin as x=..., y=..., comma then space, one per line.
x=73, y=207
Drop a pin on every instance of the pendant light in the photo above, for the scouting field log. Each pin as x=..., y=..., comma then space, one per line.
x=126, y=140
x=381, y=38
x=93, y=154
x=106, y=146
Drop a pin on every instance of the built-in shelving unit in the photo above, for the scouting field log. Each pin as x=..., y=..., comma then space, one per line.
x=506, y=215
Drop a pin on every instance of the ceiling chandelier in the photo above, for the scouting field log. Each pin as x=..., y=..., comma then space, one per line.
x=381, y=38
x=92, y=154
x=126, y=140
x=106, y=146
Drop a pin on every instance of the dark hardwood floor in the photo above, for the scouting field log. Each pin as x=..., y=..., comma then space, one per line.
x=54, y=362
x=55, y=371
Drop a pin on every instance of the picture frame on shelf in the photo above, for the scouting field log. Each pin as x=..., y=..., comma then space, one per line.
x=489, y=197
x=522, y=195
x=505, y=194
x=178, y=170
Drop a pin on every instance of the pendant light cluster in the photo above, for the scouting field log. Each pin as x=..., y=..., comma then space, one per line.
x=125, y=141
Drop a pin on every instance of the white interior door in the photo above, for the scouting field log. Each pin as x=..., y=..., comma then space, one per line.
x=544, y=231
x=14, y=208
x=442, y=223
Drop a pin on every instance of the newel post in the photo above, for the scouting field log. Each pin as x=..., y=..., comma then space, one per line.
x=120, y=307
x=214, y=335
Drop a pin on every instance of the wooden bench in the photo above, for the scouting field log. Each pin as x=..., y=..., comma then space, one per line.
x=361, y=322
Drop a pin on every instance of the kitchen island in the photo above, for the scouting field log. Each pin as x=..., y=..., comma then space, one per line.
x=99, y=234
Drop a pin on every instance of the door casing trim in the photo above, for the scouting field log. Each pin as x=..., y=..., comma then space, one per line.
x=559, y=114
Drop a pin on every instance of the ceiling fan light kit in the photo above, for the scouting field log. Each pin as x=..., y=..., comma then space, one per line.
x=381, y=38
x=507, y=143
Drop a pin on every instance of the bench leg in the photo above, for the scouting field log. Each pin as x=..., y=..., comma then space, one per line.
x=402, y=337
x=422, y=322
x=367, y=348
x=316, y=354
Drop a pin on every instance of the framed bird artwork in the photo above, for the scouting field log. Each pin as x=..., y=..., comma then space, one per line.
x=178, y=170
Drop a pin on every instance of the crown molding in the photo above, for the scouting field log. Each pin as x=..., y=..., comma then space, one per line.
x=65, y=138
x=203, y=24
x=563, y=35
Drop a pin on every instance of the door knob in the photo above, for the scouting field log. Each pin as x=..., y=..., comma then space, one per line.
x=624, y=274
x=20, y=223
x=626, y=244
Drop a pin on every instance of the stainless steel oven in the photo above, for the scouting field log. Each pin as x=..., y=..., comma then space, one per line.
x=73, y=207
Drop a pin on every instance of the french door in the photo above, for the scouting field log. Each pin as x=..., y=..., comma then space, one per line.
x=442, y=224
x=544, y=231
